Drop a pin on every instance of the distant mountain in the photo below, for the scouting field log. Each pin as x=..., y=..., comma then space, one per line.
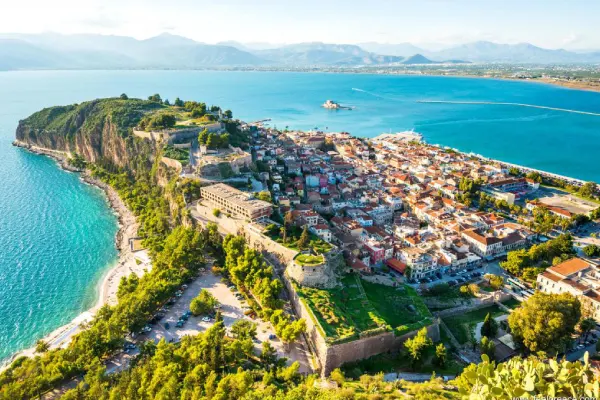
x=511, y=53
x=400, y=49
x=53, y=51
x=419, y=59
x=317, y=53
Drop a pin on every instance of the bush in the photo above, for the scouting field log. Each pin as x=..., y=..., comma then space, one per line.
x=216, y=212
x=204, y=303
x=439, y=289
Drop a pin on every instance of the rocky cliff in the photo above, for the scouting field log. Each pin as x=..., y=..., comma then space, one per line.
x=98, y=130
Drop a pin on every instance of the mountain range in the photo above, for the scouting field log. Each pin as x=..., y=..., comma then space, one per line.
x=166, y=51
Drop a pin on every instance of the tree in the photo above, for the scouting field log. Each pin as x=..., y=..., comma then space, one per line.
x=203, y=136
x=545, y=322
x=496, y=281
x=288, y=219
x=514, y=171
x=268, y=355
x=588, y=189
x=123, y=96
x=417, y=344
x=489, y=327
x=338, y=377
x=283, y=231
x=167, y=102
x=487, y=347
x=243, y=329
x=473, y=288
x=441, y=354
x=303, y=241
x=264, y=196
x=592, y=250
x=216, y=212
x=228, y=114
x=535, y=176
x=178, y=102
x=586, y=325
x=41, y=346
x=155, y=97
x=204, y=303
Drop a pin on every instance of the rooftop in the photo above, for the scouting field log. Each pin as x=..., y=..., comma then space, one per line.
x=570, y=267
x=236, y=196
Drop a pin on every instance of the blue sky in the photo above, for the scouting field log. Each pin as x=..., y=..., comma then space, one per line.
x=547, y=23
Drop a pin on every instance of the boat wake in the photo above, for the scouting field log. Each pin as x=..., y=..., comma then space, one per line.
x=375, y=94
x=509, y=104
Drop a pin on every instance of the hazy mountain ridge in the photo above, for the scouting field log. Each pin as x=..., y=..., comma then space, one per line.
x=166, y=51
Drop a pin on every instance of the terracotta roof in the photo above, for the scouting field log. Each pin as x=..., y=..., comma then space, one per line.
x=551, y=276
x=570, y=267
x=396, y=265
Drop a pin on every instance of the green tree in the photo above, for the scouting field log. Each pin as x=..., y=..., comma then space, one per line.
x=441, y=354
x=591, y=250
x=586, y=325
x=204, y=303
x=303, y=241
x=264, y=196
x=216, y=212
x=203, y=136
x=41, y=346
x=588, y=190
x=535, y=176
x=268, y=355
x=495, y=281
x=178, y=102
x=123, y=96
x=545, y=322
x=228, y=114
x=417, y=345
x=514, y=171
x=243, y=329
x=489, y=327
x=338, y=377
x=155, y=97
x=487, y=347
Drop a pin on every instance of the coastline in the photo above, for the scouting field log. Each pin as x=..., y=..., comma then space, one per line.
x=108, y=285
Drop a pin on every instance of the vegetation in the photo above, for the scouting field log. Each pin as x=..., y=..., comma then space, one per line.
x=532, y=377
x=463, y=326
x=248, y=270
x=496, y=281
x=77, y=161
x=417, y=344
x=545, y=322
x=216, y=212
x=489, y=327
x=309, y=259
x=487, y=347
x=345, y=313
x=161, y=120
x=529, y=263
x=592, y=250
x=204, y=303
x=181, y=155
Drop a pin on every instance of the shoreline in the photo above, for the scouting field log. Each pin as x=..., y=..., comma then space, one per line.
x=108, y=285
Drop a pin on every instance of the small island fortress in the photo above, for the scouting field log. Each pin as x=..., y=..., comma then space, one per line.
x=332, y=105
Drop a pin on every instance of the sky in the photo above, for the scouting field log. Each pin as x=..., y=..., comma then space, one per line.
x=571, y=24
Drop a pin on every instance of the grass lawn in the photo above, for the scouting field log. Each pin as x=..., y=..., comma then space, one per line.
x=309, y=259
x=316, y=243
x=512, y=303
x=462, y=325
x=345, y=312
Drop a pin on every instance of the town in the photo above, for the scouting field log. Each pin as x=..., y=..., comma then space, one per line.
x=437, y=228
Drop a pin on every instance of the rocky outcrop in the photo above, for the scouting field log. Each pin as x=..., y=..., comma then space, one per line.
x=98, y=130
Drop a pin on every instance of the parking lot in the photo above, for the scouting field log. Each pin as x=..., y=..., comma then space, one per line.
x=231, y=310
x=467, y=275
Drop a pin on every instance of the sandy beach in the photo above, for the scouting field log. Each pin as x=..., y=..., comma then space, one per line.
x=108, y=285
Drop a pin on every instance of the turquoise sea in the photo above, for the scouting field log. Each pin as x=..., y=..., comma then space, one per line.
x=57, y=235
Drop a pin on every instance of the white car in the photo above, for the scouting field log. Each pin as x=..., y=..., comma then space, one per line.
x=205, y=319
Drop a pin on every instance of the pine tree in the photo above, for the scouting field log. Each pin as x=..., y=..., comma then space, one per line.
x=303, y=241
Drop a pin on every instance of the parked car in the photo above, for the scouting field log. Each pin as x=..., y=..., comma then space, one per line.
x=272, y=337
x=146, y=329
x=180, y=323
x=205, y=319
x=167, y=326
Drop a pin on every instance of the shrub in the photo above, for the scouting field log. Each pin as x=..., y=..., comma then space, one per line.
x=216, y=212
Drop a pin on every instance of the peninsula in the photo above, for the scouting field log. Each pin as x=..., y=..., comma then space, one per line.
x=346, y=256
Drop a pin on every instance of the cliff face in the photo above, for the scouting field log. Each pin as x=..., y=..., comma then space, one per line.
x=98, y=130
